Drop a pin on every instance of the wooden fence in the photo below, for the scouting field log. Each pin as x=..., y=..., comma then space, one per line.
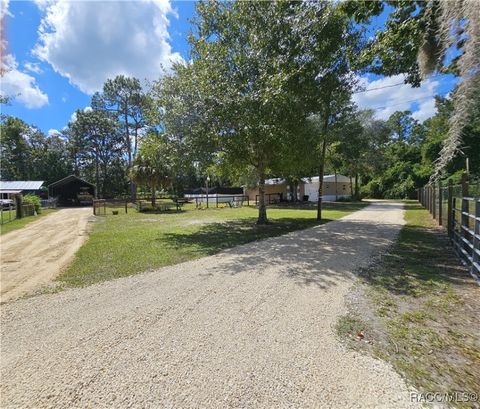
x=457, y=208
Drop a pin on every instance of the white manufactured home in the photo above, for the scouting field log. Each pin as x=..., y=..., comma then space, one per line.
x=334, y=187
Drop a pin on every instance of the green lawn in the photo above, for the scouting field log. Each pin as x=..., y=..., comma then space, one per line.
x=130, y=243
x=19, y=223
x=421, y=312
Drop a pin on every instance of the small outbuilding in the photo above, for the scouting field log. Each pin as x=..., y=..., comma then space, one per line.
x=277, y=190
x=334, y=187
x=72, y=191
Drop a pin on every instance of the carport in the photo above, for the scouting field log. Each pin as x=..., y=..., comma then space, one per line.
x=72, y=191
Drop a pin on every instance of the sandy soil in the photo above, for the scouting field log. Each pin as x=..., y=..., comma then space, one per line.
x=32, y=256
x=251, y=327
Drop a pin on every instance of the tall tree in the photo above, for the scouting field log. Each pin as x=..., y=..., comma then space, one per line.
x=152, y=165
x=124, y=96
x=253, y=66
x=14, y=149
x=415, y=41
x=102, y=142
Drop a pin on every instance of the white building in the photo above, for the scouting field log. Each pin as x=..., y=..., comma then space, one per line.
x=334, y=187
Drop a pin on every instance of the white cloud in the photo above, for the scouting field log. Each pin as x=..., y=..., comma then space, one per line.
x=15, y=83
x=398, y=98
x=88, y=42
x=33, y=67
x=53, y=132
x=20, y=86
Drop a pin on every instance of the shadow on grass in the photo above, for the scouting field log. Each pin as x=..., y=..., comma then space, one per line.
x=314, y=256
x=214, y=237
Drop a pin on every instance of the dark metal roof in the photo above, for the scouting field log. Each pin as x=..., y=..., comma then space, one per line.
x=69, y=179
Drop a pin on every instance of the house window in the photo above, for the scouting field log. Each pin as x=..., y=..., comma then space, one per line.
x=344, y=187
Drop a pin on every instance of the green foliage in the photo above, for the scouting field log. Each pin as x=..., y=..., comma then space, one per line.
x=14, y=149
x=252, y=82
x=152, y=166
x=97, y=135
x=27, y=154
x=35, y=200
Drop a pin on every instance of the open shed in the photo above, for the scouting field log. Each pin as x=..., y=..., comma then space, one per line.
x=72, y=191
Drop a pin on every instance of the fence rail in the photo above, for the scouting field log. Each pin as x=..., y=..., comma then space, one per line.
x=457, y=208
x=216, y=200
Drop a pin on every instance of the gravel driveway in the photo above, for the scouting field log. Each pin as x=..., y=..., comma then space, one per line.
x=35, y=254
x=250, y=327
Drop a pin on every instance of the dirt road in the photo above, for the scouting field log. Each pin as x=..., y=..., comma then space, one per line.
x=32, y=256
x=251, y=327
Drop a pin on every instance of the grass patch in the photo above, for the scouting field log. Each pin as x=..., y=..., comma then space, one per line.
x=19, y=223
x=126, y=244
x=349, y=326
x=425, y=309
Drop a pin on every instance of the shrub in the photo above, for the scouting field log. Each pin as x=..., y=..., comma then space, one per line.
x=35, y=200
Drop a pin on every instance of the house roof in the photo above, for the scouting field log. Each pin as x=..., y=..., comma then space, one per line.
x=69, y=179
x=21, y=184
x=9, y=191
x=328, y=178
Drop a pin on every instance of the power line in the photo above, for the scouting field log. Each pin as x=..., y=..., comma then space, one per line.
x=403, y=102
x=392, y=85
x=377, y=88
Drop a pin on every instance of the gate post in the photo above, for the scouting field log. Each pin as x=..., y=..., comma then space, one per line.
x=434, y=212
x=18, y=205
x=476, y=239
x=465, y=222
x=440, y=197
x=449, y=209
x=464, y=185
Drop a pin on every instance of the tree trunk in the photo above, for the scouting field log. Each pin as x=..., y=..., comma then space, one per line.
x=153, y=197
x=357, y=192
x=322, y=162
x=351, y=188
x=262, y=209
x=104, y=181
x=97, y=175
x=336, y=186
x=128, y=144
x=320, y=178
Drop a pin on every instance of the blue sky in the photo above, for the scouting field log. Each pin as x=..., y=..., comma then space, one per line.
x=59, y=53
